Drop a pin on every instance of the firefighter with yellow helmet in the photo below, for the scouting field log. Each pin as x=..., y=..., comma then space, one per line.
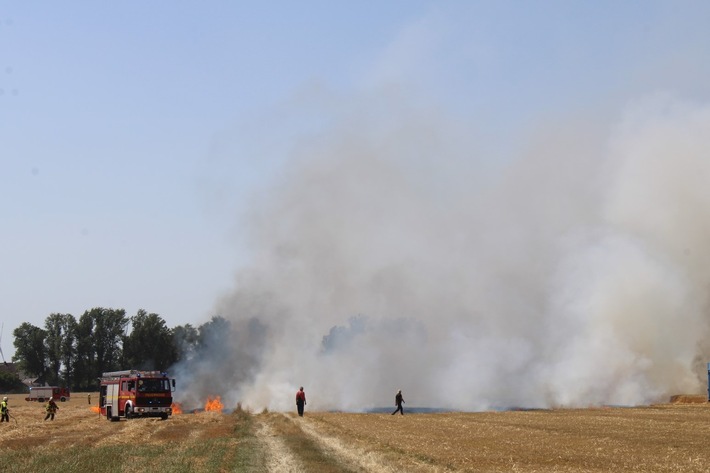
x=4, y=410
x=51, y=407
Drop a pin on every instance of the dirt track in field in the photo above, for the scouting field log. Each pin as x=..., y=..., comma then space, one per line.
x=661, y=438
x=280, y=459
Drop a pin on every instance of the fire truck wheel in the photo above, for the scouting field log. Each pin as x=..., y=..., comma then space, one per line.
x=163, y=417
x=63, y=399
x=129, y=411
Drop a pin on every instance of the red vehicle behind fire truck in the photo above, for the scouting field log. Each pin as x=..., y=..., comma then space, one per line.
x=43, y=393
x=134, y=393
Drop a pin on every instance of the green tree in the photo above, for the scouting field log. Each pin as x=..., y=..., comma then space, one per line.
x=150, y=344
x=85, y=359
x=185, y=338
x=99, y=337
x=69, y=348
x=60, y=329
x=11, y=383
x=30, y=352
x=109, y=328
x=214, y=338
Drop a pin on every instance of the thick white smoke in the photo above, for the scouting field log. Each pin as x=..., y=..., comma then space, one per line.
x=396, y=257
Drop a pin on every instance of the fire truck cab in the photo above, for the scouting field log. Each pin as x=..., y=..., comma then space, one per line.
x=133, y=393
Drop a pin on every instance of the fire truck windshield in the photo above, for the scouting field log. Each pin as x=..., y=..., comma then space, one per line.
x=153, y=385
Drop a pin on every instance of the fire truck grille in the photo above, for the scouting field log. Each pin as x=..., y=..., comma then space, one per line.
x=155, y=402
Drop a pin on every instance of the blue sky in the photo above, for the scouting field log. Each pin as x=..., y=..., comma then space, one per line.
x=135, y=135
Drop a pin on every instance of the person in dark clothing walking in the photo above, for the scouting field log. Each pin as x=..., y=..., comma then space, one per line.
x=300, y=401
x=398, y=401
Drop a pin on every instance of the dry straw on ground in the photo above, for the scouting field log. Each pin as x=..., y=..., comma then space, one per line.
x=670, y=437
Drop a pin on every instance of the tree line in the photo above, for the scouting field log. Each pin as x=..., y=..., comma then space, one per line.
x=74, y=353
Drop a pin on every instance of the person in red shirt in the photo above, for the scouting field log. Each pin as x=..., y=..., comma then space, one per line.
x=300, y=401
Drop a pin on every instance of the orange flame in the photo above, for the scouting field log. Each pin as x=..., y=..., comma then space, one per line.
x=177, y=408
x=95, y=409
x=214, y=405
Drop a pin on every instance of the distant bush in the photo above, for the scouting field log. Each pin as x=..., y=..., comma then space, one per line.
x=10, y=383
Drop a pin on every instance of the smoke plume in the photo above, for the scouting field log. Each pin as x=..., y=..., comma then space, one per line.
x=394, y=253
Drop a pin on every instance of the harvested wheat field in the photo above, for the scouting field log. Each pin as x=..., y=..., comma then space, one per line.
x=671, y=437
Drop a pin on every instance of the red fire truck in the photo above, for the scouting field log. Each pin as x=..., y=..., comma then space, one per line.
x=43, y=393
x=134, y=393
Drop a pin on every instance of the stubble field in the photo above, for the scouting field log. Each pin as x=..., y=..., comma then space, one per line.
x=671, y=437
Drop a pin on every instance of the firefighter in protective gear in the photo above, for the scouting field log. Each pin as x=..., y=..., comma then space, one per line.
x=51, y=409
x=4, y=410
